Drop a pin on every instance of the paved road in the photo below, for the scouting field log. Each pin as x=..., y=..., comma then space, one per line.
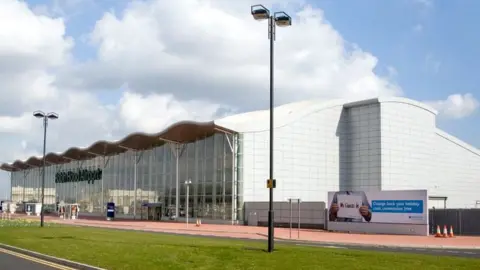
x=15, y=261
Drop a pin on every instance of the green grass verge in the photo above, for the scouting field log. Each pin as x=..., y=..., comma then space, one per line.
x=114, y=249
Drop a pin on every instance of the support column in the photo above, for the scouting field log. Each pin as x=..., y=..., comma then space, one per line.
x=224, y=153
x=11, y=187
x=177, y=150
x=165, y=197
x=204, y=179
x=151, y=160
x=214, y=179
x=137, y=158
x=177, y=184
x=25, y=174
x=135, y=186
x=197, y=182
x=232, y=144
x=104, y=166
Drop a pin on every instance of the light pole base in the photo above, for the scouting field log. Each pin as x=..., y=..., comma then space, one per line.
x=270, y=231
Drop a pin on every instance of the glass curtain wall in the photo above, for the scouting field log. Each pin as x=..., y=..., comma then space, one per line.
x=207, y=163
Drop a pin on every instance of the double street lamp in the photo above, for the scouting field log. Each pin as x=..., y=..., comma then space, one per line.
x=280, y=19
x=45, y=117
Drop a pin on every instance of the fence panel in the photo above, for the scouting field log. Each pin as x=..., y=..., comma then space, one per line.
x=464, y=221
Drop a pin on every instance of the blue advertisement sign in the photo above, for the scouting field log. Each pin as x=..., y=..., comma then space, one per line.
x=397, y=206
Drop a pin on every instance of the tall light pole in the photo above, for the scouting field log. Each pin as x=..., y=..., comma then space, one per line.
x=187, y=183
x=45, y=117
x=281, y=19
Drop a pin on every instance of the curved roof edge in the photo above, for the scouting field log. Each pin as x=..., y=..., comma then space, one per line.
x=258, y=121
x=408, y=101
x=180, y=132
x=457, y=141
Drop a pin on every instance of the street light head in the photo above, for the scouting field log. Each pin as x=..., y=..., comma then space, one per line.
x=260, y=12
x=282, y=19
x=39, y=114
x=52, y=116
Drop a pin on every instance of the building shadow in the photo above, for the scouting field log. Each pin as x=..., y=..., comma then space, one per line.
x=344, y=160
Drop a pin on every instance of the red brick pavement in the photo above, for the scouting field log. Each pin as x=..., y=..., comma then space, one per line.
x=251, y=232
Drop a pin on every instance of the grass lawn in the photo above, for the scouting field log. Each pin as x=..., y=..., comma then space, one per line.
x=114, y=249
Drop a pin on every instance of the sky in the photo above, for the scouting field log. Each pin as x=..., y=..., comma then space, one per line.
x=112, y=67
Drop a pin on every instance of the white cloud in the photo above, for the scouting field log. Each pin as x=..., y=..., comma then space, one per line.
x=456, y=106
x=152, y=113
x=224, y=55
x=188, y=59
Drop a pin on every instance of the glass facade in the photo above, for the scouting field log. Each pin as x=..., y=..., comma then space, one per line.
x=158, y=175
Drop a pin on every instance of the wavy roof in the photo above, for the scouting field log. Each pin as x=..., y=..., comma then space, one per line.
x=181, y=132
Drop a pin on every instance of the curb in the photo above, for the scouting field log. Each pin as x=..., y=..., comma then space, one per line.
x=380, y=245
x=64, y=262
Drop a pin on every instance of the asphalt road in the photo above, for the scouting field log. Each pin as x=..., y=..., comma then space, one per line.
x=16, y=261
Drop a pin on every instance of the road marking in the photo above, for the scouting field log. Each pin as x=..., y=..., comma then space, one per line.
x=33, y=259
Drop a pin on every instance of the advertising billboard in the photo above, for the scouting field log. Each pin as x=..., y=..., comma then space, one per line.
x=386, y=207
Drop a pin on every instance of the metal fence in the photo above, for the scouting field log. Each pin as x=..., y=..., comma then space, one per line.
x=464, y=221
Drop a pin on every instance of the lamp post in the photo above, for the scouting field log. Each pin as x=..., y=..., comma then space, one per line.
x=280, y=19
x=45, y=117
x=187, y=183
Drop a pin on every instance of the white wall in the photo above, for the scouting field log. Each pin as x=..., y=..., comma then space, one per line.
x=395, y=141
x=407, y=143
x=457, y=172
x=306, y=159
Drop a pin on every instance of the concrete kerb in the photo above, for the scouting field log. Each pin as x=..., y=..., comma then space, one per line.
x=60, y=261
x=379, y=245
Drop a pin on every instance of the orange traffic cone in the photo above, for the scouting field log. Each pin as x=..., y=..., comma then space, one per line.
x=445, y=231
x=451, y=231
x=439, y=233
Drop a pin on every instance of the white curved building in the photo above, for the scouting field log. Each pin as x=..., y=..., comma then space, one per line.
x=320, y=146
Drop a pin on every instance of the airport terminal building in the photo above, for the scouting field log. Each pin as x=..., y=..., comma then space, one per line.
x=320, y=146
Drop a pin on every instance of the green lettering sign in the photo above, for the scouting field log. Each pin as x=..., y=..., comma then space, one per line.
x=79, y=175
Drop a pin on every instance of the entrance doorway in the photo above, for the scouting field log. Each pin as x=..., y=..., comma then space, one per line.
x=154, y=211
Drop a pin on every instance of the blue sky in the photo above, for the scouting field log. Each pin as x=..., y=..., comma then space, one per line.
x=430, y=48
x=431, y=44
